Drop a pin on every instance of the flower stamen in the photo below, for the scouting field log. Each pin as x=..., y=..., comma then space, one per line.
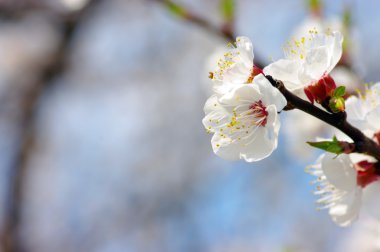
x=259, y=112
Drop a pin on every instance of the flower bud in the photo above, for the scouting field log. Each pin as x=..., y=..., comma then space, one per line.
x=337, y=104
x=320, y=90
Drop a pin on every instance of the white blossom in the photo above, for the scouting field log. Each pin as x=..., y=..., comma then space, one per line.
x=245, y=121
x=364, y=111
x=235, y=66
x=307, y=60
x=337, y=187
x=341, y=74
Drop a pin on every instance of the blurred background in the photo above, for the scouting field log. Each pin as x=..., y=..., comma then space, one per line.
x=102, y=146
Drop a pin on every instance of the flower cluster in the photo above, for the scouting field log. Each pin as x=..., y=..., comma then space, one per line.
x=355, y=171
x=242, y=115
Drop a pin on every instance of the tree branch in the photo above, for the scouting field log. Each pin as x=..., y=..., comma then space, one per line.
x=362, y=143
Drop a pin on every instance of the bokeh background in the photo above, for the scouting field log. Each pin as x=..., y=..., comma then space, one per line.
x=102, y=146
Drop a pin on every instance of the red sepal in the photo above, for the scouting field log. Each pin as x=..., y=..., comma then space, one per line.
x=320, y=90
x=366, y=173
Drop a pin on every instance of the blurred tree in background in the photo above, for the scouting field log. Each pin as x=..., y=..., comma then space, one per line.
x=102, y=143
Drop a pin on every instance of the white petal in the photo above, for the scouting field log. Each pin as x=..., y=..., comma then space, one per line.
x=373, y=119
x=245, y=47
x=270, y=94
x=316, y=63
x=222, y=87
x=211, y=104
x=224, y=148
x=237, y=74
x=336, y=49
x=339, y=171
x=273, y=124
x=265, y=139
x=216, y=115
x=245, y=93
x=261, y=148
x=354, y=108
x=286, y=71
x=357, y=110
x=346, y=211
x=332, y=43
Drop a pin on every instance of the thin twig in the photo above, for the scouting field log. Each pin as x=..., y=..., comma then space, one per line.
x=225, y=32
x=193, y=18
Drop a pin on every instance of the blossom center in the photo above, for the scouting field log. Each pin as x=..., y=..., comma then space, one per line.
x=245, y=120
x=259, y=113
